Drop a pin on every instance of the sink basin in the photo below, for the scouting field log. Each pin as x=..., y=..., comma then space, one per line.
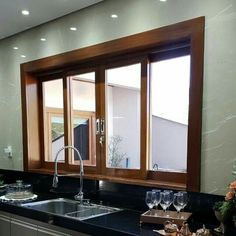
x=70, y=208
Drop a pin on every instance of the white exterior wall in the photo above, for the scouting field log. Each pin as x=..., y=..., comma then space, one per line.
x=169, y=144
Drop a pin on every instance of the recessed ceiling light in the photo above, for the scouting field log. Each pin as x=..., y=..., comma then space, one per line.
x=15, y=48
x=23, y=56
x=114, y=16
x=25, y=12
x=73, y=28
x=43, y=39
x=163, y=0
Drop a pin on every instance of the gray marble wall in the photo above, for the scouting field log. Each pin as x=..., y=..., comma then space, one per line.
x=95, y=26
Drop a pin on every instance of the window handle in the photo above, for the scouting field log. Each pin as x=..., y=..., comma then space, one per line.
x=98, y=126
x=102, y=126
x=102, y=140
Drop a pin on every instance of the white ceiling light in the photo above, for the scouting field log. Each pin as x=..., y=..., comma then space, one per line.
x=23, y=56
x=73, y=28
x=163, y=0
x=41, y=11
x=43, y=39
x=114, y=16
x=25, y=12
x=15, y=48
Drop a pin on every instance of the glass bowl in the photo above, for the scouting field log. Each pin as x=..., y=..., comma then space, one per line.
x=18, y=190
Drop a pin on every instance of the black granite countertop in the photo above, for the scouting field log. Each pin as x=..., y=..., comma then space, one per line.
x=128, y=197
x=125, y=222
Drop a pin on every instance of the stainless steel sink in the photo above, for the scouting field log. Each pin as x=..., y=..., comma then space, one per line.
x=70, y=208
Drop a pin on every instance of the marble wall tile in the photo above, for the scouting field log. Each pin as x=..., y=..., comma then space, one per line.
x=95, y=26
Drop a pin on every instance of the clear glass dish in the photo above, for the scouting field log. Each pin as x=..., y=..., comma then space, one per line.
x=18, y=190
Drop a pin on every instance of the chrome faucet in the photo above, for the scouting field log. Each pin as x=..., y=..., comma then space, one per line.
x=80, y=195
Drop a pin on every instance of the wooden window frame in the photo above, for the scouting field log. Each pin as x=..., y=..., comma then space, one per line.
x=98, y=55
x=49, y=112
x=181, y=49
x=122, y=172
x=91, y=120
x=67, y=165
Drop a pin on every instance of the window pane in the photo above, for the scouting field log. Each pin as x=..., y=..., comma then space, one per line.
x=81, y=137
x=170, y=81
x=53, y=119
x=123, y=117
x=83, y=117
x=83, y=92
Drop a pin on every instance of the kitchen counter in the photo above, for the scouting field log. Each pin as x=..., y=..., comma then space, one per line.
x=125, y=222
x=128, y=197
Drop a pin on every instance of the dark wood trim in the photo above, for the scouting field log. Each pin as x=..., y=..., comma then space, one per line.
x=100, y=113
x=48, y=167
x=172, y=177
x=42, y=117
x=133, y=181
x=123, y=172
x=67, y=117
x=30, y=121
x=170, y=54
x=81, y=70
x=144, y=118
x=176, y=177
x=195, y=109
x=107, y=53
x=50, y=77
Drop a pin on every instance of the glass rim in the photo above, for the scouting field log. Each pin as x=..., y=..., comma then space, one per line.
x=156, y=190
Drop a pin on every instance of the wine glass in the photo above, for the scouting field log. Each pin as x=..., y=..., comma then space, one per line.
x=177, y=201
x=165, y=200
x=157, y=198
x=171, y=193
x=150, y=199
x=183, y=200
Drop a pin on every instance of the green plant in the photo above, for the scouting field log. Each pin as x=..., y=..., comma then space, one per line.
x=227, y=208
x=217, y=205
x=115, y=156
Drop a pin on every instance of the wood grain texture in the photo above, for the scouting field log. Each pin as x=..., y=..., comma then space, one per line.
x=110, y=54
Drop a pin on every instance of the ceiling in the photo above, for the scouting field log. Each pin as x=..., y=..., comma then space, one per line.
x=41, y=11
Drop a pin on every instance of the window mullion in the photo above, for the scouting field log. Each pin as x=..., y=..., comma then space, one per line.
x=144, y=131
x=100, y=113
x=67, y=119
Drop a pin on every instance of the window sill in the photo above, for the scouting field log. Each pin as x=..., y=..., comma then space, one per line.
x=140, y=182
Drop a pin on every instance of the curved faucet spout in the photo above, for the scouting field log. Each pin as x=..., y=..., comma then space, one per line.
x=80, y=195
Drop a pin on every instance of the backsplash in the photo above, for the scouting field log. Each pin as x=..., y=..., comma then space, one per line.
x=124, y=195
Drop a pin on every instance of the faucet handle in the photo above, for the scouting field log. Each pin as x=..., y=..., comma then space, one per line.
x=79, y=197
x=55, y=181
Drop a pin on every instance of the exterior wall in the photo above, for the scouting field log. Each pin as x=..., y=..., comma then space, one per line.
x=126, y=123
x=169, y=144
